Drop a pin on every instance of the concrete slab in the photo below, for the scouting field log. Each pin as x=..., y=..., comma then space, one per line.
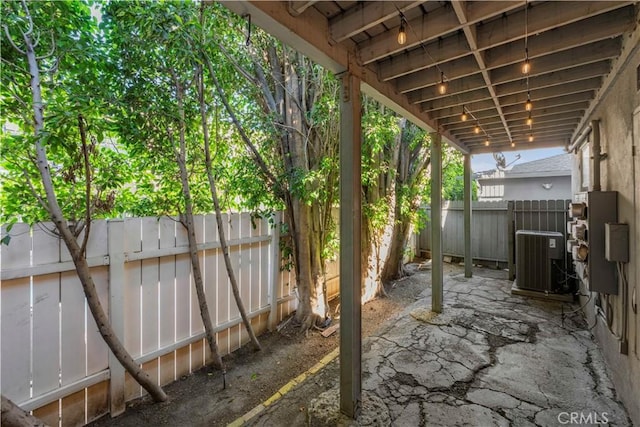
x=490, y=359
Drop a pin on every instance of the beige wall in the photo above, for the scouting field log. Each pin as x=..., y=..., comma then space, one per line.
x=617, y=112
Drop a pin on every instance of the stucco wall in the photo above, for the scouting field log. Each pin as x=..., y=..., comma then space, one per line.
x=532, y=189
x=621, y=172
x=525, y=188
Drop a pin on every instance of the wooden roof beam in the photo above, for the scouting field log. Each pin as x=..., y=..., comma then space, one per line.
x=367, y=15
x=601, y=27
x=541, y=17
x=428, y=27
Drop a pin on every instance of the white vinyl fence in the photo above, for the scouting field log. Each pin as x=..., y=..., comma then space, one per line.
x=53, y=360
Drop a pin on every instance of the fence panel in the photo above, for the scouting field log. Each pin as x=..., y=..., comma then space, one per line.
x=46, y=310
x=16, y=321
x=489, y=231
x=53, y=359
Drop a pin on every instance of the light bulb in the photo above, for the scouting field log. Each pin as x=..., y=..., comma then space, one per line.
x=402, y=34
x=531, y=138
x=442, y=87
x=529, y=120
x=476, y=130
x=528, y=105
x=526, y=67
x=513, y=144
x=464, y=116
x=486, y=143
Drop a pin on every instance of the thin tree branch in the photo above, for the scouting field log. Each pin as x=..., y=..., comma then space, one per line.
x=237, y=66
x=20, y=51
x=87, y=185
x=256, y=155
x=35, y=194
x=26, y=10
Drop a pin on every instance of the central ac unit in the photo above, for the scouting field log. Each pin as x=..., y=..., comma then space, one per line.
x=535, y=253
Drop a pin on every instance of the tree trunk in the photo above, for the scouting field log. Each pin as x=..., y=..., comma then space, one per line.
x=287, y=99
x=191, y=236
x=378, y=228
x=14, y=416
x=394, y=265
x=374, y=256
x=216, y=204
x=412, y=162
x=79, y=260
x=312, y=306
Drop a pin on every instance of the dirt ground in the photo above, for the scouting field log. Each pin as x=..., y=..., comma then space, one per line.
x=252, y=377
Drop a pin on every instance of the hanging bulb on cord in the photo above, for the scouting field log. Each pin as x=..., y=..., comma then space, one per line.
x=402, y=33
x=464, y=115
x=528, y=105
x=526, y=66
x=442, y=87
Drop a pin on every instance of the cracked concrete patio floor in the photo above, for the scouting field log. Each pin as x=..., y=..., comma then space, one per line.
x=490, y=359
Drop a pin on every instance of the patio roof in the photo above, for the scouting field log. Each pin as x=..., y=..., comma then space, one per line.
x=477, y=48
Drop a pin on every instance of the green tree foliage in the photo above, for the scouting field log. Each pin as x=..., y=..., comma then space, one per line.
x=273, y=117
x=452, y=177
x=74, y=67
x=51, y=131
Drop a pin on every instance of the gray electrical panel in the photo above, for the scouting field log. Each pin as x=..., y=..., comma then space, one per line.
x=602, y=208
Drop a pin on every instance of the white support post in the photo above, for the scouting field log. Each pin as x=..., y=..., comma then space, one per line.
x=116, y=312
x=468, y=193
x=436, y=223
x=274, y=271
x=350, y=244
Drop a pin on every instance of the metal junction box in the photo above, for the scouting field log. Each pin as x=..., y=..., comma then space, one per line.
x=616, y=242
x=536, y=252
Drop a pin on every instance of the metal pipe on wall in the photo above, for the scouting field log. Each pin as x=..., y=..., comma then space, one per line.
x=597, y=155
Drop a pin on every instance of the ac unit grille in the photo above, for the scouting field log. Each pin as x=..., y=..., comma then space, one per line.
x=535, y=251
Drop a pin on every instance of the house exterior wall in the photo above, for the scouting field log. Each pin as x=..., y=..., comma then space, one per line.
x=495, y=189
x=532, y=188
x=619, y=116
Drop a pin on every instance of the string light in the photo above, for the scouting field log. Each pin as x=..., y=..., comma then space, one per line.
x=476, y=130
x=486, y=142
x=528, y=105
x=529, y=120
x=530, y=137
x=513, y=144
x=402, y=33
x=442, y=87
x=526, y=67
x=464, y=116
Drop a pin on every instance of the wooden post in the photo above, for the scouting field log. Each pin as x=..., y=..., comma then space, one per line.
x=350, y=244
x=511, y=240
x=468, y=193
x=274, y=271
x=436, y=223
x=116, y=311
